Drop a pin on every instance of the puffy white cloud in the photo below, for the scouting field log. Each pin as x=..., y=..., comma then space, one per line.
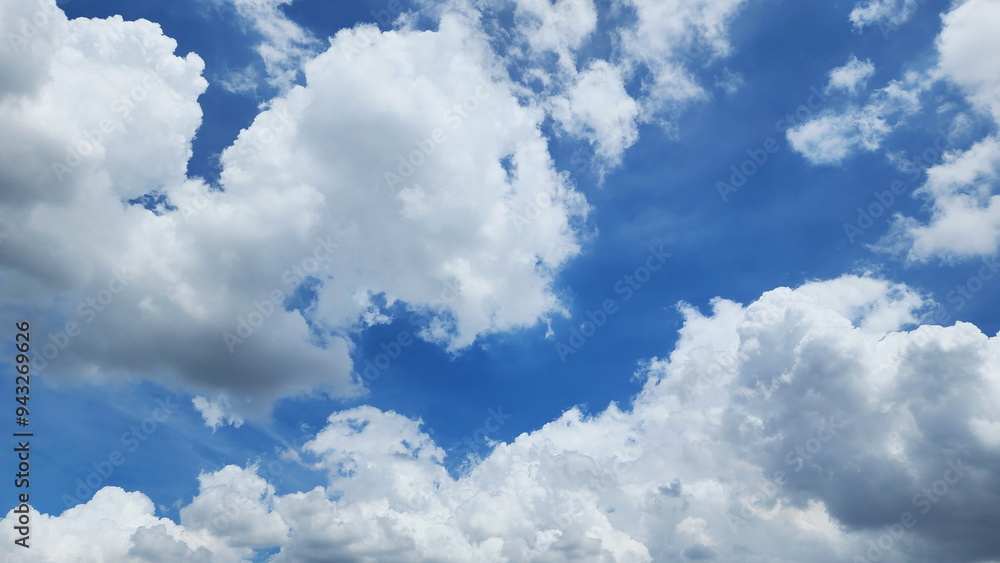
x=598, y=108
x=437, y=191
x=409, y=167
x=668, y=35
x=836, y=135
x=831, y=138
x=965, y=36
x=30, y=30
x=237, y=504
x=964, y=220
x=654, y=44
x=814, y=424
x=884, y=13
x=965, y=211
x=851, y=77
x=216, y=412
x=962, y=188
x=116, y=527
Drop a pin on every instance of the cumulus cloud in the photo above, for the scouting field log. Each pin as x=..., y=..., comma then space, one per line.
x=964, y=205
x=965, y=35
x=408, y=172
x=253, y=289
x=961, y=187
x=965, y=212
x=654, y=44
x=597, y=108
x=836, y=135
x=818, y=423
x=667, y=37
x=831, y=138
x=851, y=77
x=120, y=527
x=216, y=412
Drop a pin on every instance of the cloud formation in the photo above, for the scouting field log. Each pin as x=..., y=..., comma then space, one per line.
x=884, y=13
x=416, y=200
x=408, y=172
x=851, y=77
x=837, y=134
x=962, y=189
x=817, y=423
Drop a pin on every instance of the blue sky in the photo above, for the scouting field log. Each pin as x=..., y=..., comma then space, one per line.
x=428, y=380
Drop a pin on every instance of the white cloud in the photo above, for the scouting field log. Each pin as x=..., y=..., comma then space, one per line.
x=286, y=45
x=668, y=35
x=216, y=413
x=236, y=504
x=435, y=192
x=962, y=189
x=598, y=108
x=831, y=138
x=655, y=45
x=117, y=527
x=967, y=34
x=884, y=13
x=836, y=135
x=30, y=30
x=851, y=77
x=965, y=211
x=240, y=81
x=795, y=428
x=560, y=27
x=410, y=201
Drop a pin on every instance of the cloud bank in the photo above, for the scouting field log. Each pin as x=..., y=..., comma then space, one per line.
x=815, y=423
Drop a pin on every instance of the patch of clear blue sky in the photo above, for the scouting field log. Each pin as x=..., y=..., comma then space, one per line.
x=783, y=227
